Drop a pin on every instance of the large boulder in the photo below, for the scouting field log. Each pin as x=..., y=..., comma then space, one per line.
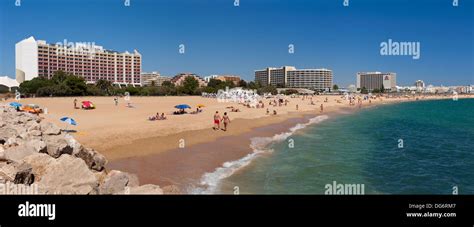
x=49, y=128
x=7, y=172
x=17, y=153
x=6, y=133
x=57, y=145
x=64, y=175
x=117, y=181
x=17, y=173
x=38, y=145
x=93, y=159
x=24, y=174
x=21, y=118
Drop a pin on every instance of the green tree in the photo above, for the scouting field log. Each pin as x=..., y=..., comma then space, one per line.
x=132, y=90
x=104, y=85
x=228, y=84
x=190, y=85
x=150, y=91
x=167, y=84
x=242, y=83
x=382, y=89
x=335, y=87
x=31, y=86
x=268, y=89
x=208, y=89
x=214, y=83
x=165, y=90
x=291, y=91
x=376, y=90
x=364, y=90
x=254, y=85
x=77, y=85
x=94, y=90
x=59, y=77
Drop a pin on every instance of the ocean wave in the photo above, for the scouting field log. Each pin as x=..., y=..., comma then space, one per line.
x=210, y=181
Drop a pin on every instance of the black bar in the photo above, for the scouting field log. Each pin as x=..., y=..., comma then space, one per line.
x=138, y=210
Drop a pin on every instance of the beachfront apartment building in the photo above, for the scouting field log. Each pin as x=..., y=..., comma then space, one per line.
x=232, y=78
x=377, y=80
x=153, y=78
x=37, y=58
x=178, y=80
x=316, y=79
x=420, y=85
x=290, y=77
x=273, y=76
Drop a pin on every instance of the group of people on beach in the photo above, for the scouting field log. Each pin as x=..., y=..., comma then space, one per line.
x=217, y=121
x=157, y=117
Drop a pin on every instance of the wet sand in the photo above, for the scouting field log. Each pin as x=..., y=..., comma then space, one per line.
x=184, y=167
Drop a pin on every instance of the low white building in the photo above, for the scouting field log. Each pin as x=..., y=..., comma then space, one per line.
x=148, y=79
x=8, y=82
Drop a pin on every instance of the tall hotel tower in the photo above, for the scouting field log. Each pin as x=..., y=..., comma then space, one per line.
x=37, y=58
x=290, y=77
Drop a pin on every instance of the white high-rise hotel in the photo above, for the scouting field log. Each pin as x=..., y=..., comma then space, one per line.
x=290, y=77
x=37, y=58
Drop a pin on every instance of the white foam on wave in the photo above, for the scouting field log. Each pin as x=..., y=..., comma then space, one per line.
x=210, y=181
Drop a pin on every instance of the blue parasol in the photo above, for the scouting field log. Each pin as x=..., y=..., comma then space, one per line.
x=182, y=106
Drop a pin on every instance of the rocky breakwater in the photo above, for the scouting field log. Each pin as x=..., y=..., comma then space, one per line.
x=37, y=153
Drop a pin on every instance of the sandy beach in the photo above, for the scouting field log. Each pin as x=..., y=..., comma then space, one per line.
x=108, y=126
x=179, y=150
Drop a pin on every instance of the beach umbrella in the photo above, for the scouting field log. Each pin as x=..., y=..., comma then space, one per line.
x=15, y=104
x=182, y=106
x=69, y=120
x=201, y=105
x=88, y=105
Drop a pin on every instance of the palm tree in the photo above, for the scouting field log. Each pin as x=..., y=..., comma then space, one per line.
x=104, y=85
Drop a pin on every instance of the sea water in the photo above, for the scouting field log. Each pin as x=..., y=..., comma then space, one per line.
x=423, y=147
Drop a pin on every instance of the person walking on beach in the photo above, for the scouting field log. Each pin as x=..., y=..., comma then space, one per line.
x=116, y=100
x=322, y=107
x=226, y=121
x=217, y=124
x=296, y=106
x=75, y=103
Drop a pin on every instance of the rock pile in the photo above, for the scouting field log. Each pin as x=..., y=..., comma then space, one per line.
x=36, y=152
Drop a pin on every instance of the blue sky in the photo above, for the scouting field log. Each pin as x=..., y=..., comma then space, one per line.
x=223, y=39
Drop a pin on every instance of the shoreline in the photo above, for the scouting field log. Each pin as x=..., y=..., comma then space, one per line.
x=163, y=143
x=187, y=167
